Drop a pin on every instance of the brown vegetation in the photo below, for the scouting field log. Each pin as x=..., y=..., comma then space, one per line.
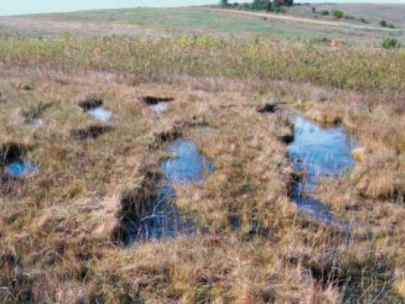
x=60, y=229
x=59, y=242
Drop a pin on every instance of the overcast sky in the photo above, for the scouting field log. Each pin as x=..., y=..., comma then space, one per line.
x=15, y=7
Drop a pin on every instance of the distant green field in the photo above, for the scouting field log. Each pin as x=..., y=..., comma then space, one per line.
x=188, y=20
x=181, y=21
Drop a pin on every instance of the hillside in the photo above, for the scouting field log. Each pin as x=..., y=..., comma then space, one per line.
x=153, y=23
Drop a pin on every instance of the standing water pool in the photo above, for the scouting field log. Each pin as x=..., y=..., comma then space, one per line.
x=100, y=114
x=187, y=167
x=19, y=167
x=319, y=152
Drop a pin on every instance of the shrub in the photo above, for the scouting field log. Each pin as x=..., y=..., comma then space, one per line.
x=288, y=2
x=261, y=5
x=325, y=13
x=277, y=9
x=391, y=43
x=223, y=3
x=321, y=40
x=244, y=6
x=384, y=23
x=338, y=14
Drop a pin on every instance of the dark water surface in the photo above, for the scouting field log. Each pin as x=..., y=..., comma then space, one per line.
x=319, y=152
x=166, y=221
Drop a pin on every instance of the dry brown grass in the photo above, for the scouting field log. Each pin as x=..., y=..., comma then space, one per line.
x=371, y=197
x=57, y=227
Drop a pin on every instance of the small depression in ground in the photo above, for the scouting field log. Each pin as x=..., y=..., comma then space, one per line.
x=91, y=132
x=319, y=152
x=159, y=108
x=18, y=168
x=12, y=162
x=100, y=114
x=188, y=166
x=94, y=108
x=157, y=104
x=37, y=122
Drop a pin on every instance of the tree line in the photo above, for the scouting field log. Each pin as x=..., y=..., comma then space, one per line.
x=268, y=5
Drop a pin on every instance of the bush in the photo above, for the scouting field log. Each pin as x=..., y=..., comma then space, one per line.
x=223, y=3
x=338, y=14
x=391, y=43
x=261, y=5
x=322, y=40
x=384, y=23
x=325, y=13
x=277, y=9
x=288, y=2
x=245, y=6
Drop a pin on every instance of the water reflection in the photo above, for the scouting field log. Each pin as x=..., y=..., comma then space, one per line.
x=19, y=167
x=319, y=152
x=165, y=219
x=101, y=114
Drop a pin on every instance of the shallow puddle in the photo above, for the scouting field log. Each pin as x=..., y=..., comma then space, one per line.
x=37, y=122
x=157, y=104
x=18, y=168
x=319, y=152
x=165, y=221
x=159, y=108
x=188, y=166
x=100, y=114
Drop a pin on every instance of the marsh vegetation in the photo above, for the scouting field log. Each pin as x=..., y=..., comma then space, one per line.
x=223, y=197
